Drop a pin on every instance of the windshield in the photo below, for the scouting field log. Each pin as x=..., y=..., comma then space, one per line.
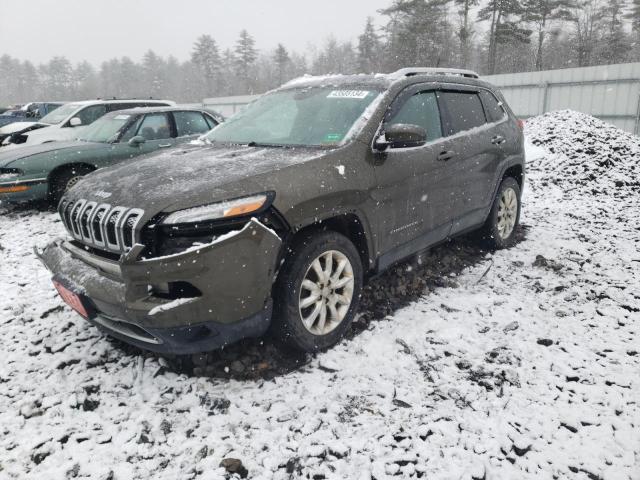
x=316, y=116
x=59, y=114
x=106, y=129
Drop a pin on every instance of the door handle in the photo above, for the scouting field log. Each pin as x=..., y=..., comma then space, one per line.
x=498, y=140
x=164, y=145
x=446, y=156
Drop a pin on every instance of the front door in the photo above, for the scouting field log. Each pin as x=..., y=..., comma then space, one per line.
x=415, y=187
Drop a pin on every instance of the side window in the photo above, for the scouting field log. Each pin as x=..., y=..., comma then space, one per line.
x=155, y=126
x=421, y=109
x=465, y=111
x=212, y=122
x=131, y=130
x=492, y=107
x=91, y=114
x=190, y=123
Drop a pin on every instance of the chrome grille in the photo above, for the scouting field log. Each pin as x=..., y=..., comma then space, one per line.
x=103, y=226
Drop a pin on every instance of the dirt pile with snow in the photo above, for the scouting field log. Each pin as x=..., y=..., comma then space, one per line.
x=595, y=154
x=517, y=364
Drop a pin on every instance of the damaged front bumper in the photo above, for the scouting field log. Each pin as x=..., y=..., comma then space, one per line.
x=234, y=276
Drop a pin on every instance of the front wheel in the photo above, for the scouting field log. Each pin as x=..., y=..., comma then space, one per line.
x=500, y=229
x=64, y=180
x=318, y=291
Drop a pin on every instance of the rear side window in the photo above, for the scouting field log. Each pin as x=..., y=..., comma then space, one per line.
x=190, y=123
x=465, y=111
x=421, y=109
x=492, y=107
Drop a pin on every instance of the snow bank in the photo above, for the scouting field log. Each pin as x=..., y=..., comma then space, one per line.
x=595, y=154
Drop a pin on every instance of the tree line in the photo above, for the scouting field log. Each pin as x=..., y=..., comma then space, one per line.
x=489, y=36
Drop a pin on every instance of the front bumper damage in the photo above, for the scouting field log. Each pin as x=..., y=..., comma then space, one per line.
x=234, y=274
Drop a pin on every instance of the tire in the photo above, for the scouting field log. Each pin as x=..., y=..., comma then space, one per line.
x=501, y=226
x=336, y=304
x=64, y=180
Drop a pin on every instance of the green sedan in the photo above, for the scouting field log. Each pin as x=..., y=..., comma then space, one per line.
x=45, y=172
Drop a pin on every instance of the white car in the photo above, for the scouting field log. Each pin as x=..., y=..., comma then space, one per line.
x=67, y=122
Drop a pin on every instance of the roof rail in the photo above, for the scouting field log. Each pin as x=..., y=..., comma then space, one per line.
x=411, y=71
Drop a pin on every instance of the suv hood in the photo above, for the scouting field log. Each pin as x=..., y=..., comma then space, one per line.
x=190, y=176
x=17, y=127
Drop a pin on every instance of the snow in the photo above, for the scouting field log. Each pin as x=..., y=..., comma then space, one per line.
x=516, y=364
x=170, y=305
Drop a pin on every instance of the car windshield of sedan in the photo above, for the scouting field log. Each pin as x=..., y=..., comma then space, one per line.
x=106, y=129
x=59, y=114
x=312, y=116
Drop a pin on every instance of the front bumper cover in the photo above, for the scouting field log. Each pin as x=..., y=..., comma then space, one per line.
x=234, y=274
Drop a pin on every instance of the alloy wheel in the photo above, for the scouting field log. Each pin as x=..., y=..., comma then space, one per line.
x=507, y=213
x=326, y=292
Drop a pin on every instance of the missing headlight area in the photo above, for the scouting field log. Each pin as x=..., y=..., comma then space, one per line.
x=175, y=246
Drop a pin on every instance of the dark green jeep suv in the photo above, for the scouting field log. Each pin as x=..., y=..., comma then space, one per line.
x=278, y=216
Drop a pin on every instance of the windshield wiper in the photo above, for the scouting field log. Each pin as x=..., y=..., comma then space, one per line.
x=265, y=145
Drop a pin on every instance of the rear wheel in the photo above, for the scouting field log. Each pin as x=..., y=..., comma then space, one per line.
x=500, y=229
x=64, y=180
x=318, y=291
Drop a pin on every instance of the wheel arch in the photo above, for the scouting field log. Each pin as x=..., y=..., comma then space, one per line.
x=349, y=224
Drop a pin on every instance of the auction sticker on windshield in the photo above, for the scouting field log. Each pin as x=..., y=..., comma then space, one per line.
x=355, y=94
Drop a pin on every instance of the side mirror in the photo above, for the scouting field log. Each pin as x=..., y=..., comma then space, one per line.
x=137, y=141
x=401, y=135
x=75, y=122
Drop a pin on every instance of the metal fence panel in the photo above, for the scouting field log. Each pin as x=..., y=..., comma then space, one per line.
x=608, y=92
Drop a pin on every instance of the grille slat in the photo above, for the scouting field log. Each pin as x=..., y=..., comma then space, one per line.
x=100, y=225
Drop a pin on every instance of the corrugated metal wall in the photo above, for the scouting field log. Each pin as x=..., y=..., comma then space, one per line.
x=609, y=92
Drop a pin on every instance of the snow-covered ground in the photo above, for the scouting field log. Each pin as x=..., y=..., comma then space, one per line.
x=518, y=364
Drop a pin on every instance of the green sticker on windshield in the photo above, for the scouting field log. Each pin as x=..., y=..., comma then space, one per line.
x=332, y=138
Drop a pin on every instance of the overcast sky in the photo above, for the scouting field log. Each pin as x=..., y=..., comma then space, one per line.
x=98, y=30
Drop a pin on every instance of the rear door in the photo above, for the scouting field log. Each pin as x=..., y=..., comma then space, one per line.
x=477, y=156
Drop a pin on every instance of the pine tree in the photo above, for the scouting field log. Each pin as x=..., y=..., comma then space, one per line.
x=541, y=13
x=245, y=56
x=282, y=62
x=465, y=31
x=419, y=33
x=369, y=49
x=506, y=25
x=153, y=68
x=615, y=39
x=206, y=55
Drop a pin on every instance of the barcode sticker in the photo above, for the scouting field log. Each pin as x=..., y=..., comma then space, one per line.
x=355, y=94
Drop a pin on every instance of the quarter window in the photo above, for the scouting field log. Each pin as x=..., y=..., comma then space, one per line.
x=465, y=111
x=492, y=106
x=190, y=123
x=421, y=109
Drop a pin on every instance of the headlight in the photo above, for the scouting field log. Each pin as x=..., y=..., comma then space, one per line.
x=218, y=211
x=10, y=174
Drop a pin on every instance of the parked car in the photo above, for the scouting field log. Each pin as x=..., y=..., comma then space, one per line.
x=67, y=122
x=46, y=171
x=289, y=207
x=33, y=110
